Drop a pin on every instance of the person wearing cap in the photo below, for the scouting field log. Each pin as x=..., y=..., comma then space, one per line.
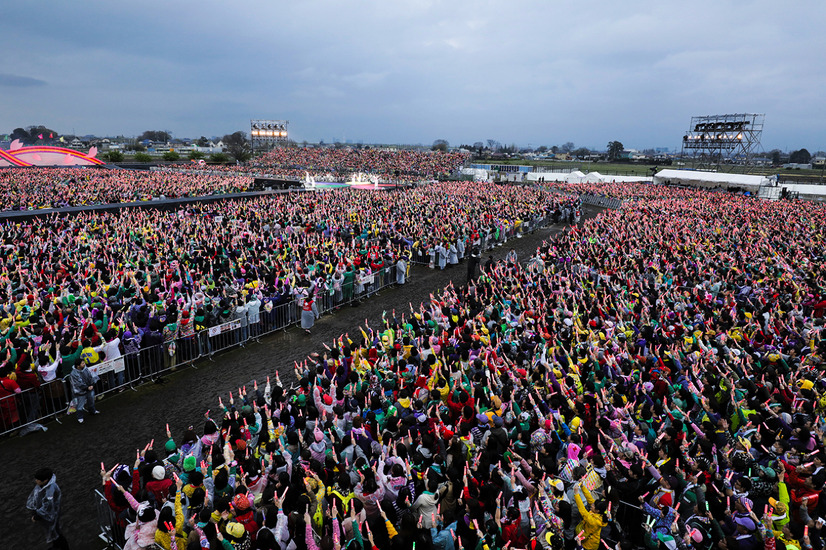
x=663, y=514
x=159, y=485
x=237, y=537
x=745, y=535
x=244, y=514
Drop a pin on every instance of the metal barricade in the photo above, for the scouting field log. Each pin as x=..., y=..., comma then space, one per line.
x=225, y=336
x=131, y=369
x=112, y=376
x=111, y=529
x=601, y=201
x=151, y=362
x=23, y=411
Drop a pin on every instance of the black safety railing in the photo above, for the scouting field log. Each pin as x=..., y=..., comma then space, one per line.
x=111, y=529
x=21, y=412
x=601, y=201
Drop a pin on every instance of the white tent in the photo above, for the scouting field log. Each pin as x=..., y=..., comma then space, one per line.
x=596, y=177
x=547, y=176
x=477, y=173
x=711, y=179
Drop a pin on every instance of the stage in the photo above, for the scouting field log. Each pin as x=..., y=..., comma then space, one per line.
x=321, y=186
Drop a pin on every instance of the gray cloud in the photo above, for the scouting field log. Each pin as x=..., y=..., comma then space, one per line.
x=15, y=81
x=523, y=71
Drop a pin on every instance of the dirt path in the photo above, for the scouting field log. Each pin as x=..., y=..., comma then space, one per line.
x=129, y=420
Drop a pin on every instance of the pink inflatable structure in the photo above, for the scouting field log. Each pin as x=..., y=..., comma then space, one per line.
x=38, y=155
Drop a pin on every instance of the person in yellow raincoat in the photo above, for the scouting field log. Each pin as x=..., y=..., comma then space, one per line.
x=593, y=519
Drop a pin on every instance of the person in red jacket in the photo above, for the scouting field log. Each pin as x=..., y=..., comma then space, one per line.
x=9, y=416
x=456, y=404
x=159, y=484
x=245, y=515
x=801, y=485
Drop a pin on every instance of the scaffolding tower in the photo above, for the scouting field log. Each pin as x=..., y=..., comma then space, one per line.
x=265, y=134
x=722, y=142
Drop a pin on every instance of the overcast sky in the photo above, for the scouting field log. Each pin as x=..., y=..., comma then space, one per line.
x=527, y=72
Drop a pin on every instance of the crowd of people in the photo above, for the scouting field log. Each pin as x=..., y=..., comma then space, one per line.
x=650, y=378
x=342, y=162
x=36, y=188
x=79, y=290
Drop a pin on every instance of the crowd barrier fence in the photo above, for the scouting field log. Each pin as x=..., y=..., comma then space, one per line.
x=25, y=410
x=111, y=530
x=600, y=200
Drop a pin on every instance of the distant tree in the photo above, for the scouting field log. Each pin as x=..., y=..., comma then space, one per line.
x=238, y=145
x=801, y=156
x=35, y=133
x=114, y=156
x=774, y=154
x=494, y=145
x=581, y=152
x=22, y=135
x=555, y=149
x=218, y=158
x=440, y=145
x=567, y=147
x=542, y=149
x=171, y=156
x=158, y=136
x=202, y=142
x=615, y=149
x=143, y=157
x=196, y=155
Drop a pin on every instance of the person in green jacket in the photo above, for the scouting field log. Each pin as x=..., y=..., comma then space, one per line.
x=347, y=285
